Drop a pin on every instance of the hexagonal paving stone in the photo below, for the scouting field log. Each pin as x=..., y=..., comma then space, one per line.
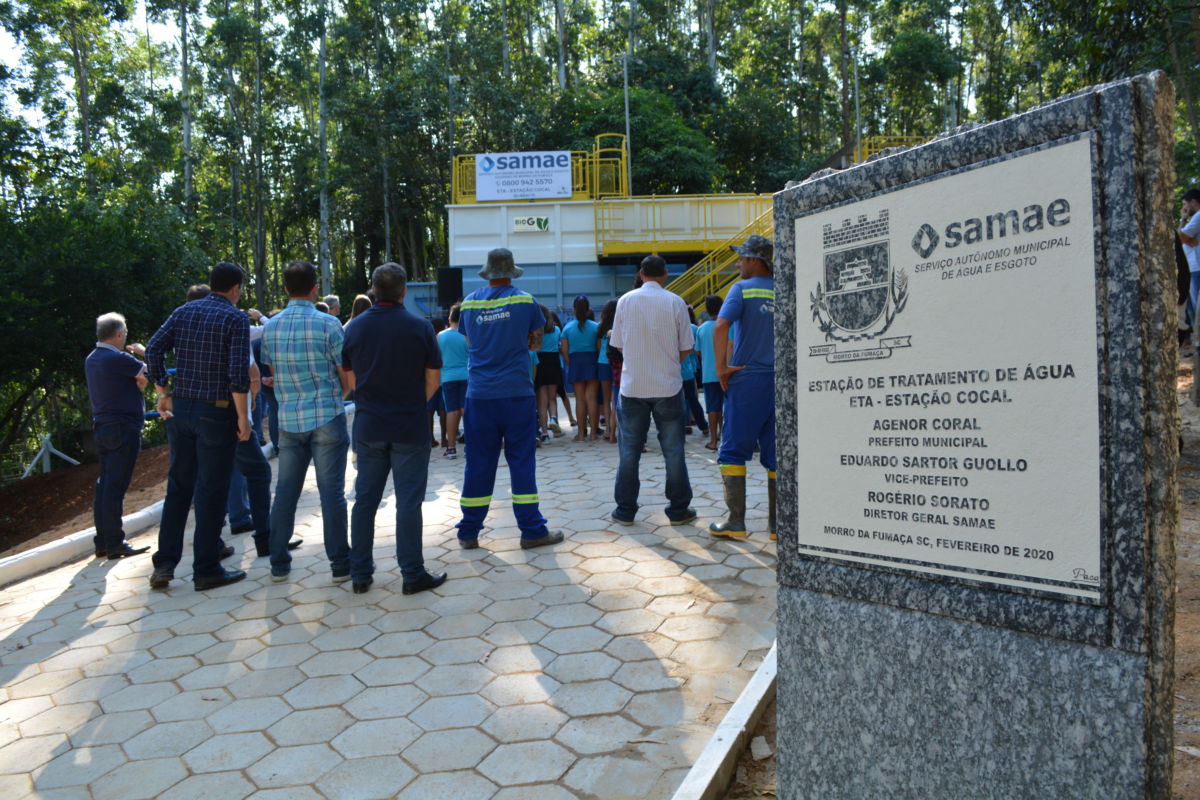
x=391, y=671
x=191, y=705
x=326, y=691
x=228, y=751
x=519, y=688
x=213, y=676
x=133, y=698
x=293, y=766
x=139, y=780
x=637, y=620
x=691, y=628
x=460, y=711
x=568, y=616
x=591, y=697
x=378, y=702
x=376, y=778
x=545, y=791
x=604, y=734
x=336, y=662
x=457, y=651
x=458, y=626
x=455, y=679
x=310, y=726
x=575, y=640
x=377, y=737
x=526, y=631
x=60, y=719
x=266, y=682
x=78, y=767
x=526, y=762
x=28, y=754
x=412, y=620
x=253, y=714
x=346, y=638
x=649, y=676
x=582, y=667
x=112, y=728
x=167, y=739
x=525, y=722
x=408, y=643
x=612, y=776
x=281, y=655
x=440, y=751
x=443, y=785
x=225, y=785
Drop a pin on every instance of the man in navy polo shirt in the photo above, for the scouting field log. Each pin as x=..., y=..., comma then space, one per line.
x=502, y=325
x=115, y=382
x=394, y=365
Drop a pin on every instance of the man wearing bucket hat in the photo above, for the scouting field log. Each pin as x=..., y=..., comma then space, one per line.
x=747, y=374
x=502, y=325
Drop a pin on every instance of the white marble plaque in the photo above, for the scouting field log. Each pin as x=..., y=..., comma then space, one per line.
x=948, y=417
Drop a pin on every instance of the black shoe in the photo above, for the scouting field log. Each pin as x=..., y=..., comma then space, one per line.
x=687, y=517
x=223, y=578
x=263, y=552
x=360, y=587
x=426, y=581
x=244, y=528
x=161, y=578
x=468, y=544
x=553, y=537
x=124, y=550
x=226, y=552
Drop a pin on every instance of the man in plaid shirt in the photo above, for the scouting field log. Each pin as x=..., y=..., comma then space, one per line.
x=304, y=348
x=207, y=412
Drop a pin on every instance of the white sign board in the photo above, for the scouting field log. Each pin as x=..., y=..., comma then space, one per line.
x=522, y=176
x=531, y=224
x=948, y=418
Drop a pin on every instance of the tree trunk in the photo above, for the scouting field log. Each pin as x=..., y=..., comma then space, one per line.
x=845, y=70
x=83, y=98
x=260, y=233
x=184, y=78
x=710, y=33
x=560, y=24
x=1185, y=85
x=504, y=40
x=324, y=256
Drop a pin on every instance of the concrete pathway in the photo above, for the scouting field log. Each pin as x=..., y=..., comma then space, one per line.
x=594, y=669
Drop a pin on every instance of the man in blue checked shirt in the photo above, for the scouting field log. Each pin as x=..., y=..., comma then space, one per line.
x=207, y=410
x=304, y=348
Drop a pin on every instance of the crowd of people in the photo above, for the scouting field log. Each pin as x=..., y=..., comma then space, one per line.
x=499, y=366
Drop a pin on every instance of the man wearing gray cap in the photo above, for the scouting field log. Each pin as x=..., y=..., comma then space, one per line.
x=747, y=375
x=502, y=325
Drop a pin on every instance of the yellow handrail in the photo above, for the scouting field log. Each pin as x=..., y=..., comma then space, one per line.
x=877, y=144
x=600, y=172
x=672, y=223
x=714, y=273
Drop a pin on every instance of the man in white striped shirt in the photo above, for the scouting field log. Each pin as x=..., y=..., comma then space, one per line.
x=653, y=332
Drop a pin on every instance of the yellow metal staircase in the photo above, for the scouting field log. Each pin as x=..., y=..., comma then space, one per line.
x=717, y=271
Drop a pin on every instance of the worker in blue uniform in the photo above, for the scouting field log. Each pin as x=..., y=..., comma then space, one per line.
x=502, y=325
x=748, y=377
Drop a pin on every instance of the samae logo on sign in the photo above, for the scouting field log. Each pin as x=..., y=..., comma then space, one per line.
x=523, y=176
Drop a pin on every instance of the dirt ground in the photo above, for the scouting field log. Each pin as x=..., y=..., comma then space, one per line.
x=756, y=777
x=43, y=508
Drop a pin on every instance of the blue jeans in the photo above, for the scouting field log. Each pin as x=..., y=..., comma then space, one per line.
x=691, y=405
x=250, y=490
x=203, y=439
x=118, y=444
x=266, y=399
x=409, y=467
x=668, y=413
x=325, y=446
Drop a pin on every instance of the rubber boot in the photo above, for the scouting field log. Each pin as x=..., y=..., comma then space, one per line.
x=735, y=498
x=771, y=505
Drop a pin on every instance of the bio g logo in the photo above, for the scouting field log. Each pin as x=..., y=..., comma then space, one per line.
x=487, y=164
x=925, y=241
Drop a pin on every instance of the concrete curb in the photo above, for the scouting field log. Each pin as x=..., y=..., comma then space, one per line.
x=75, y=546
x=713, y=771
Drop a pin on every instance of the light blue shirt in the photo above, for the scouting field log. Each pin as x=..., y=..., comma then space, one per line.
x=704, y=344
x=550, y=340
x=454, y=355
x=303, y=347
x=581, y=338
